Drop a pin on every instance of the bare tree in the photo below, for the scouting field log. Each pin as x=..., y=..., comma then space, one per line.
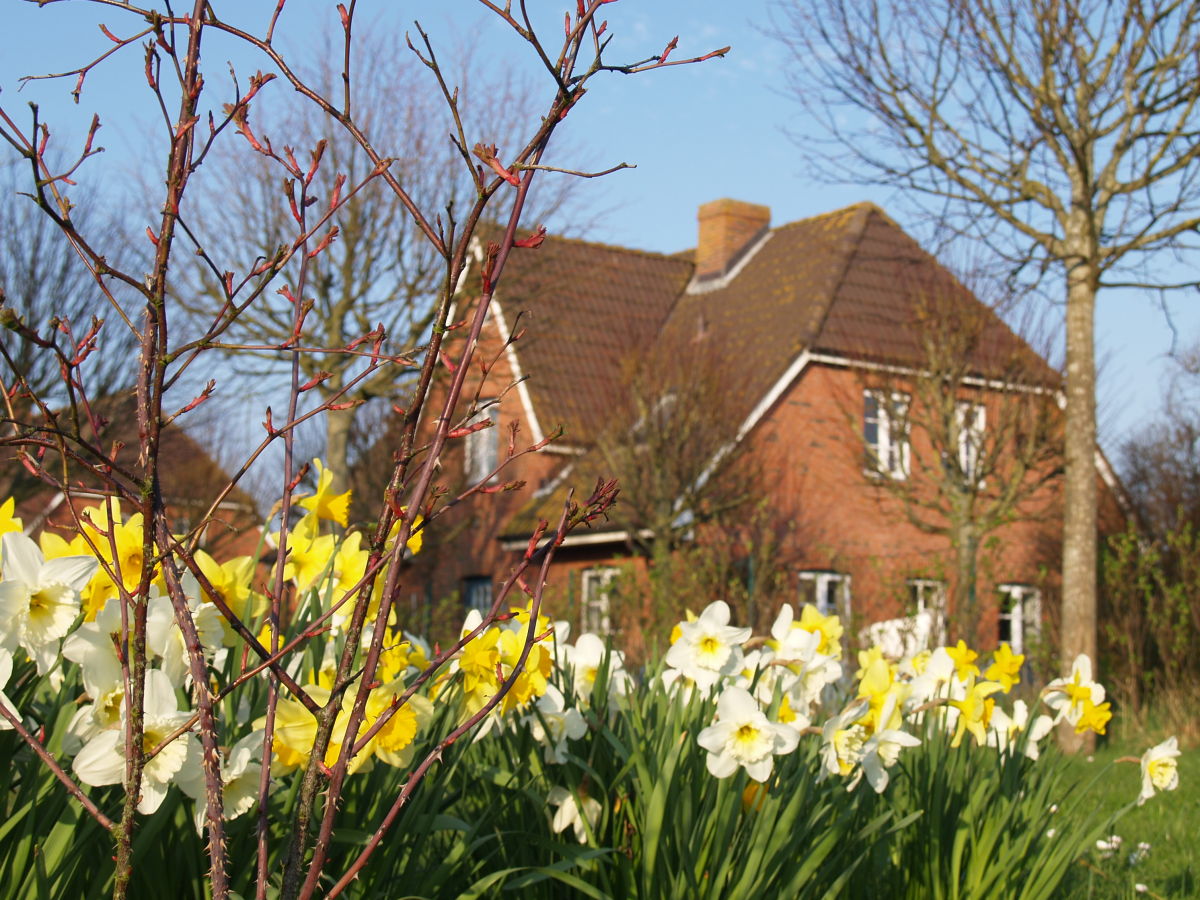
x=1062, y=132
x=974, y=434
x=378, y=272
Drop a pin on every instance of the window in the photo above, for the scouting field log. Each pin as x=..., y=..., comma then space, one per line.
x=828, y=591
x=477, y=592
x=927, y=600
x=595, y=599
x=481, y=448
x=1020, y=616
x=885, y=433
x=971, y=421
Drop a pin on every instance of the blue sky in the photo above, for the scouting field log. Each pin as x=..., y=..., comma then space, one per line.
x=695, y=134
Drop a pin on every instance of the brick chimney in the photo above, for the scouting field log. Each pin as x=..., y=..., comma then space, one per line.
x=727, y=227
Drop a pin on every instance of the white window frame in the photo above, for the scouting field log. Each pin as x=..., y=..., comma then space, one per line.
x=928, y=595
x=1021, y=609
x=827, y=584
x=888, y=453
x=477, y=593
x=595, y=598
x=481, y=449
x=971, y=421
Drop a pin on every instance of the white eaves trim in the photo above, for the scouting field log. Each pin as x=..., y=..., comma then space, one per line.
x=514, y=363
x=579, y=540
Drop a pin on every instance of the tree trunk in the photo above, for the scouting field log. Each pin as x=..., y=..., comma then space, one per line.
x=966, y=605
x=1079, y=515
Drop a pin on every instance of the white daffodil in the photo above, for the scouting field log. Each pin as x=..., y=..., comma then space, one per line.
x=240, y=771
x=39, y=600
x=744, y=736
x=1071, y=697
x=552, y=725
x=580, y=814
x=102, y=760
x=882, y=749
x=708, y=648
x=5, y=674
x=585, y=660
x=1004, y=731
x=843, y=742
x=91, y=647
x=1159, y=769
x=164, y=637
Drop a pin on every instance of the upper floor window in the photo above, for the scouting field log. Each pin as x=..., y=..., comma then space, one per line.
x=1020, y=622
x=972, y=418
x=596, y=599
x=828, y=591
x=482, y=447
x=885, y=432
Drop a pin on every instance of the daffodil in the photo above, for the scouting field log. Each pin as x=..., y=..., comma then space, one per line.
x=843, y=741
x=231, y=580
x=6, y=663
x=102, y=759
x=1069, y=696
x=1005, y=667
x=708, y=648
x=1005, y=731
x=964, y=660
x=585, y=659
x=882, y=749
x=975, y=711
x=552, y=724
x=575, y=810
x=744, y=736
x=8, y=522
x=39, y=599
x=1159, y=769
x=240, y=774
x=828, y=627
x=325, y=504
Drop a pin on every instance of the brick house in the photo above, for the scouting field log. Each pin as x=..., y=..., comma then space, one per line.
x=817, y=335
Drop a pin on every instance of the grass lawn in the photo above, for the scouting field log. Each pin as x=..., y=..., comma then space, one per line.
x=1169, y=822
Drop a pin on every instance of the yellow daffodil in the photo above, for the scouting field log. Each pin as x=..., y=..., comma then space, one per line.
x=829, y=627
x=325, y=504
x=1005, y=667
x=975, y=711
x=964, y=660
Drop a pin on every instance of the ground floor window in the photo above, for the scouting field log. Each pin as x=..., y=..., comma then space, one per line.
x=595, y=599
x=477, y=592
x=927, y=600
x=1020, y=622
x=828, y=591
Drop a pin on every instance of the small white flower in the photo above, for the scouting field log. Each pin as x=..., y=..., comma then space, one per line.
x=744, y=736
x=570, y=814
x=1141, y=888
x=1051, y=832
x=1159, y=769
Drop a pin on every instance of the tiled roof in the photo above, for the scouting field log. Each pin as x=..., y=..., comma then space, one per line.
x=588, y=309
